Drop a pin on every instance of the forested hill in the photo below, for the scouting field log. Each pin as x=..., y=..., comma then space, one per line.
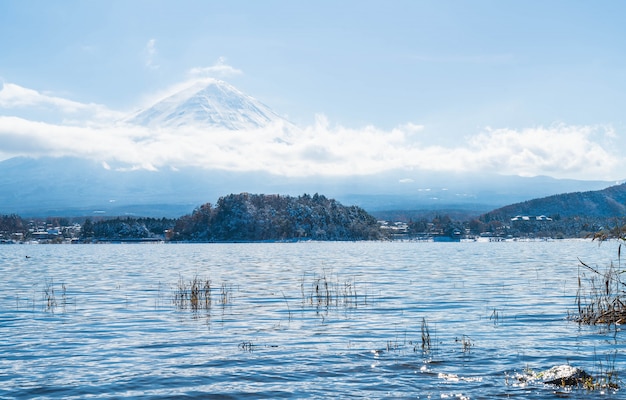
x=606, y=203
x=258, y=217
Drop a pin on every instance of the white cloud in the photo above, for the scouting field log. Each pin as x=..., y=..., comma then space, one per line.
x=218, y=70
x=562, y=151
x=23, y=137
x=13, y=97
x=151, y=53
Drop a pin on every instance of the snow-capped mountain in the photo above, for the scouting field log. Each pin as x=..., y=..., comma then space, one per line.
x=209, y=102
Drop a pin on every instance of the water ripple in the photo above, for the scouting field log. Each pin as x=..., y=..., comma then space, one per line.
x=295, y=320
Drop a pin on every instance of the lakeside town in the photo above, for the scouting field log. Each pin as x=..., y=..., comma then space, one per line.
x=15, y=230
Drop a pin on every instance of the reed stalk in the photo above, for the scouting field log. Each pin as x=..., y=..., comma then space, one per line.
x=194, y=294
x=601, y=294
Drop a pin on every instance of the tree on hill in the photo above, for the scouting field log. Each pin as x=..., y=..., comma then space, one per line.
x=126, y=228
x=606, y=203
x=11, y=224
x=258, y=217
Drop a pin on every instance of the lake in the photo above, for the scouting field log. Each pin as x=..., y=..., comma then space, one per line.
x=297, y=320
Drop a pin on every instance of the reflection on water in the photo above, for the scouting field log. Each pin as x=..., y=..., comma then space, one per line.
x=400, y=320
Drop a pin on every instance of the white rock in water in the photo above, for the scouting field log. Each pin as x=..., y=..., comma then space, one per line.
x=564, y=375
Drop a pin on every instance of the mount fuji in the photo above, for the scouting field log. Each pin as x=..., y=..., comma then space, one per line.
x=208, y=103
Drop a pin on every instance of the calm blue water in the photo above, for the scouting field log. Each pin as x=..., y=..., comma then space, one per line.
x=297, y=320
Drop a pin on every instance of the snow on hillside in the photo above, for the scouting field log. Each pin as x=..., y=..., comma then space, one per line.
x=209, y=102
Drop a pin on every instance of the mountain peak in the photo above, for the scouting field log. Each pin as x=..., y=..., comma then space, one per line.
x=207, y=103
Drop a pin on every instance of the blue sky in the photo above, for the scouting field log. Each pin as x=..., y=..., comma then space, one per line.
x=529, y=88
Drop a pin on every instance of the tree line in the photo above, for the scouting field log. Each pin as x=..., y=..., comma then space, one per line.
x=258, y=217
x=557, y=227
x=247, y=217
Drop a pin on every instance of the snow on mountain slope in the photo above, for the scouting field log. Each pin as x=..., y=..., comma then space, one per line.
x=209, y=102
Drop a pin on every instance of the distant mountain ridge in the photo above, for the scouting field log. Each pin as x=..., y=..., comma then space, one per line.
x=605, y=203
x=70, y=186
x=207, y=103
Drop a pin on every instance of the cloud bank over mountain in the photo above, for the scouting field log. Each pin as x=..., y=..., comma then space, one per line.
x=192, y=130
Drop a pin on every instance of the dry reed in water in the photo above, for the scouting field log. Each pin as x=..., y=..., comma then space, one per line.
x=601, y=295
